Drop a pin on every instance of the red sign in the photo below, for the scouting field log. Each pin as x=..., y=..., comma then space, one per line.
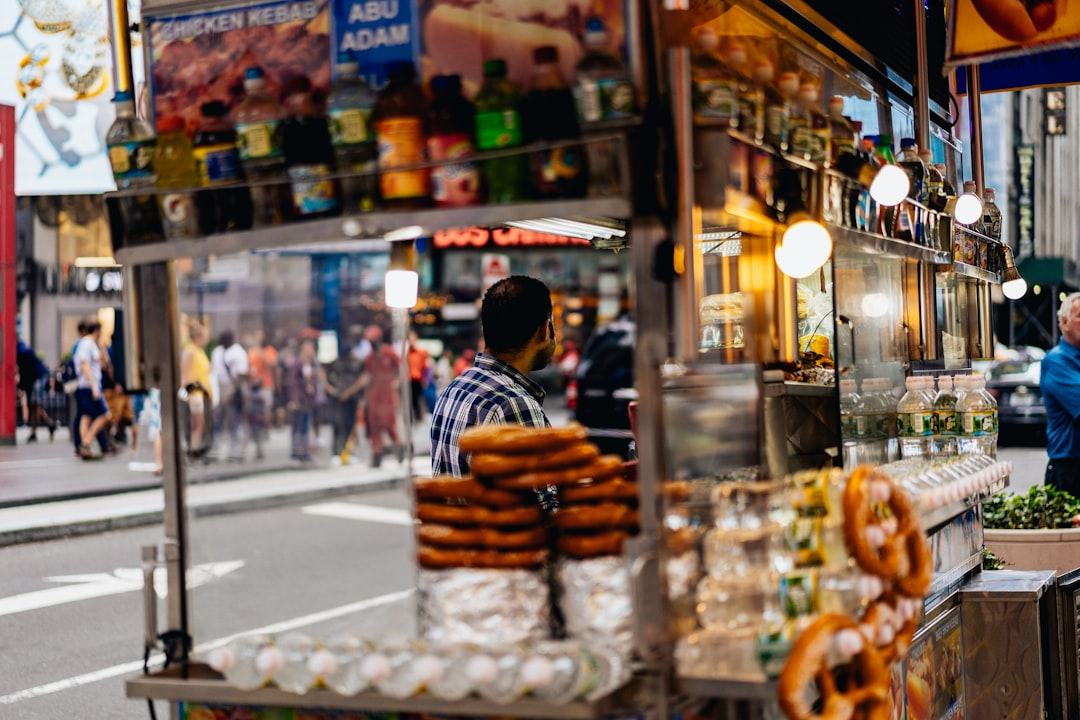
x=7, y=275
x=506, y=237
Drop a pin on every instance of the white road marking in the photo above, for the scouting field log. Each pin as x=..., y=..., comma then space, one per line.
x=95, y=585
x=367, y=513
x=157, y=658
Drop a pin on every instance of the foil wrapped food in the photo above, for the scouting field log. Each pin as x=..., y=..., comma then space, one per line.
x=594, y=596
x=483, y=607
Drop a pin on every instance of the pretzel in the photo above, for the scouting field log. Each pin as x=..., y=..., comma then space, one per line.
x=590, y=546
x=604, y=466
x=614, y=489
x=519, y=439
x=1017, y=20
x=476, y=515
x=807, y=663
x=901, y=555
x=441, y=558
x=890, y=624
x=456, y=537
x=604, y=515
x=468, y=490
x=497, y=464
x=680, y=540
x=678, y=491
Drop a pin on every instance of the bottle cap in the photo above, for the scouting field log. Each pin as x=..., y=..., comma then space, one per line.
x=836, y=104
x=988, y=193
x=736, y=54
x=347, y=65
x=495, y=68
x=253, y=73
x=401, y=70
x=124, y=96
x=546, y=55
x=969, y=186
x=847, y=386
x=169, y=123
x=763, y=71
x=908, y=143
x=214, y=108
x=808, y=93
x=595, y=33
x=707, y=40
x=449, y=84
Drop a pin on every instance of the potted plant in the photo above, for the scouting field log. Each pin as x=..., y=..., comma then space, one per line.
x=1036, y=530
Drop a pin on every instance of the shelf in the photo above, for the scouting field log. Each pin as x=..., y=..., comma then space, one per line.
x=936, y=517
x=751, y=686
x=881, y=245
x=791, y=388
x=348, y=228
x=204, y=685
x=766, y=148
x=974, y=272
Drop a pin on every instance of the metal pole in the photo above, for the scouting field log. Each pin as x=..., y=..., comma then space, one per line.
x=401, y=329
x=119, y=31
x=975, y=119
x=922, y=83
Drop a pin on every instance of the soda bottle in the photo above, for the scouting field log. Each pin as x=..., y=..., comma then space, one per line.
x=778, y=102
x=947, y=185
x=452, y=127
x=224, y=204
x=991, y=222
x=550, y=116
x=602, y=87
x=842, y=137
x=915, y=416
x=945, y=418
x=349, y=109
x=935, y=181
x=820, y=129
x=715, y=84
x=131, y=144
x=798, y=122
x=309, y=156
x=916, y=170
x=258, y=139
x=752, y=99
x=498, y=127
x=398, y=117
x=174, y=166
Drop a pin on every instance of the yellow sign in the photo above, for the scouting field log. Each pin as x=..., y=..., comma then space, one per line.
x=982, y=30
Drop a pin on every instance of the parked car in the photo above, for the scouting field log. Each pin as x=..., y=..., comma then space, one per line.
x=1014, y=381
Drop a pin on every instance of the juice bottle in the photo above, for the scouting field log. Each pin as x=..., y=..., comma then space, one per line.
x=349, y=108
x=309, y=156
x=778, y=102
x=174, y=165
x=602, y=87
x=224, y=204
x=841, y=132
x=258, y=139
x=452, y=124
x=715, y=84
x=499, y=127
x=399, y=114
x=551, y=116
x=131, y=143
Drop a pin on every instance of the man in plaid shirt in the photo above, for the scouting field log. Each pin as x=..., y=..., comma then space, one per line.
x=519, y=337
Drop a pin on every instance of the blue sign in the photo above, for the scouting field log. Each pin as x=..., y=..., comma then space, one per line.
x=1050, y=67
x=376, y=33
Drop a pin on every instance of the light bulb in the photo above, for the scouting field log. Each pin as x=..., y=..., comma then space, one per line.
x=890, y=185
x=1014, y=289
x=874, y=304
x=968, y=209
x=805, y=247
x=401, y=288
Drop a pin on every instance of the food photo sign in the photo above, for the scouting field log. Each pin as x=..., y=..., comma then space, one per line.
x=983, y=30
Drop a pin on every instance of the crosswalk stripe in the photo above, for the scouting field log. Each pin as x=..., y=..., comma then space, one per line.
x=367, y=513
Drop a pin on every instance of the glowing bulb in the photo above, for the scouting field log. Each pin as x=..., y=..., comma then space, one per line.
x=968, y=208
x=874, y=304
x=1014, y=289
x=401, y=288
x=805, y=247
x=890, y=185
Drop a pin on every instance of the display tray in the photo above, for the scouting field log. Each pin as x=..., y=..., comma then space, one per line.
x=750, y=686
x=881, y=245
x=975, y=272
x=203, y=684
x=936, y=517
x=351, y=227
x=792, y=388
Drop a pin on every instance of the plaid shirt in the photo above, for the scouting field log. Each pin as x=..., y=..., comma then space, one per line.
x=490, y=392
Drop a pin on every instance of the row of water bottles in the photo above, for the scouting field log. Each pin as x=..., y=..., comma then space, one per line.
x=953, y=416
x=557, y=671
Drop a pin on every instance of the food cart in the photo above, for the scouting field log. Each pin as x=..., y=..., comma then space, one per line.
x=738, y=367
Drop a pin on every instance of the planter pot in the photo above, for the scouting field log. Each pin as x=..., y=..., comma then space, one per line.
x=1057, y=550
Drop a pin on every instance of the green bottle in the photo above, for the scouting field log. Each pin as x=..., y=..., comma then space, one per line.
x=498, y=127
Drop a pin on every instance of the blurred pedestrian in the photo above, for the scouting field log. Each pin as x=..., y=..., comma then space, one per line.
x=464, y=362
x=262, y=365
x=418, y=359
x=229, y=369
x=32, y=374
x=303, y=387
x=195, y=381
x=344, y=386
x=383, y=370
x=568, y=365
x=444, y=370
x=93, y=412
x=1061, y=392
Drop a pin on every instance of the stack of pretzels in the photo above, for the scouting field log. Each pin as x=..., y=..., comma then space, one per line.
x=883, y=534
x=596, y=516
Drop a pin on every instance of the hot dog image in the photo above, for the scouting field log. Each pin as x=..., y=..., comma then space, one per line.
x=1018, y=20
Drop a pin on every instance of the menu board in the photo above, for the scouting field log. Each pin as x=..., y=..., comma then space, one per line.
x=934, y=672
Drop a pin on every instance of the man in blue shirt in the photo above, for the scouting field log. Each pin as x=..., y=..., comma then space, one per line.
x=1060, y=381
x=519, y=337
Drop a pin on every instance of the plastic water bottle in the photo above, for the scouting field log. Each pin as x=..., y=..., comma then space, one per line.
x=915, y=414
x=349, y=110
x=977, y=413
x=560, y=672
x=286, y=662
x=849, y=400
x=453, y=681
x=258, y=135
x=395, y=671
x=337, y=664
x=945, y=418
x=237, y=661
x=496, y=675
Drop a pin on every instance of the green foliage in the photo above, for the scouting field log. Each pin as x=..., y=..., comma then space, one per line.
x=1041, y=508
x=990, y=561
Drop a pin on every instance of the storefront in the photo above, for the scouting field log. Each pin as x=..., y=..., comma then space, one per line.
x=783, y=299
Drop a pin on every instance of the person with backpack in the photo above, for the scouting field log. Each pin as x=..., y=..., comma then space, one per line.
x=229, y=367
x=93, y=413
x=32, y=375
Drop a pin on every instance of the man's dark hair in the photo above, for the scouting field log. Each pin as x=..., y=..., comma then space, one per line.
x=226, y=339
x=513, y=310
x=81, y=327
x=92, y=326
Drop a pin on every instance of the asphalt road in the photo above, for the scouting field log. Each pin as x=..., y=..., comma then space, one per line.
x=318, y=563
